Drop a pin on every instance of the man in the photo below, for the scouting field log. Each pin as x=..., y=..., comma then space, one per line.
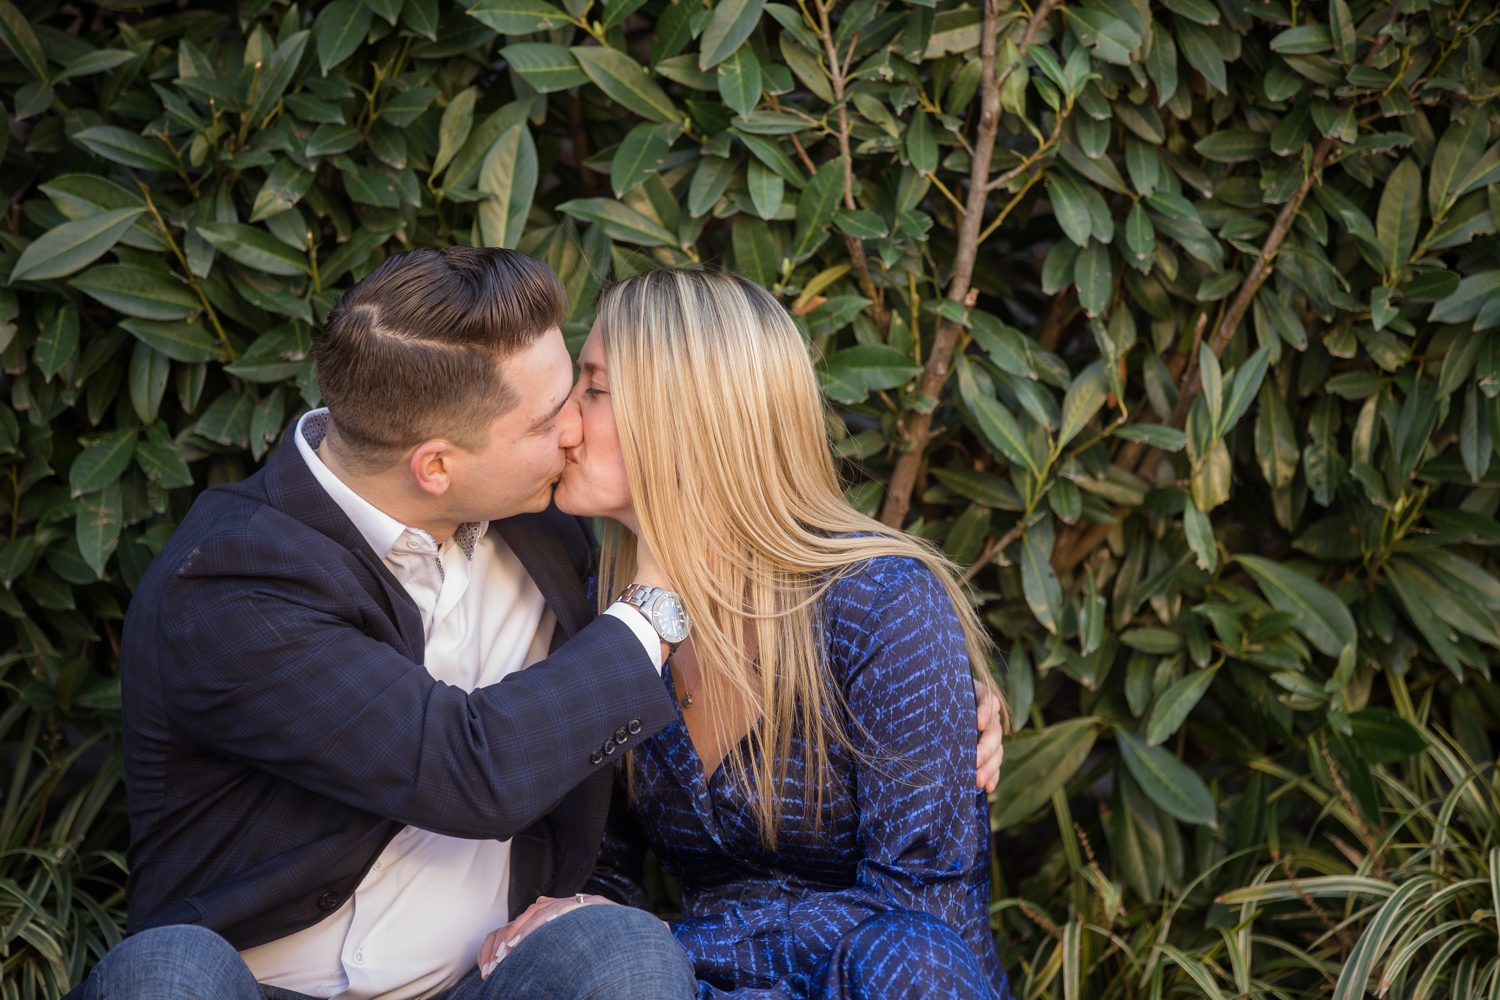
x=340, y=777
x=336, y=766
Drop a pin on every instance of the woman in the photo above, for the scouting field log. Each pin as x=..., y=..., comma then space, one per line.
x=816, y=801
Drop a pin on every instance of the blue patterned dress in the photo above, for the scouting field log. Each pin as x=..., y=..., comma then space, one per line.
x=888, y=896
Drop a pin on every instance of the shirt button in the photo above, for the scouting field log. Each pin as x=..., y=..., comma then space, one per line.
x=412, y=543
x=359, y=958
x=329, y=901
x=379, y=865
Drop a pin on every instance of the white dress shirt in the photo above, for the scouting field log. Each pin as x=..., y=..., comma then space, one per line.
x=414, y=924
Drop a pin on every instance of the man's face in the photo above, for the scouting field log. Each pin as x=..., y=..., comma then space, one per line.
x=515, y=471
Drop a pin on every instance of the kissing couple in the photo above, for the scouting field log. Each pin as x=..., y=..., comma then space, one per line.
x=396, y=726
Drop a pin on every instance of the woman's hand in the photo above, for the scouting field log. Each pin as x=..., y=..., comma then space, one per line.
x=991, y=739
x=501, y=942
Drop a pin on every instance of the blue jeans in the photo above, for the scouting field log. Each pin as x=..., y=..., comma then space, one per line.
x=591, y=953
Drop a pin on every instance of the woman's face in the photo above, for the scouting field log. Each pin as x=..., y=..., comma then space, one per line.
x=594, y=483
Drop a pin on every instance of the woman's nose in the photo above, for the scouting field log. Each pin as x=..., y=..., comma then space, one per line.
x=570, y=425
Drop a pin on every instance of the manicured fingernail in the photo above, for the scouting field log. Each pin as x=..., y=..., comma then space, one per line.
x=551, y=917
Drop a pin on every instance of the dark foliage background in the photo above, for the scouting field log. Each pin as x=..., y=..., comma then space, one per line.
x=1174, y=321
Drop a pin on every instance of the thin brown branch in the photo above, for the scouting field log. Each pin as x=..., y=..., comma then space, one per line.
x=580, y=138
x=939, y=362
x=1058, y=318
x=855, y=247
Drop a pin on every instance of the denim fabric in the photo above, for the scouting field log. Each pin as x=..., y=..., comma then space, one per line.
x=887, y=893
x=181, y=962
x=592, y=953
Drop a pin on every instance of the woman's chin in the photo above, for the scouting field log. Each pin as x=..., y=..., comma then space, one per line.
x=569, y=502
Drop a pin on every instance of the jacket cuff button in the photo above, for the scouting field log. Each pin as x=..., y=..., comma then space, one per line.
x=596, y=756
x=621, y=736
x=634, y=726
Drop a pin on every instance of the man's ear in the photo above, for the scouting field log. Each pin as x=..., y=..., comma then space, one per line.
x=431, y=467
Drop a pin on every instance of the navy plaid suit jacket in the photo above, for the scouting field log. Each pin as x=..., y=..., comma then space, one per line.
x=280, y=728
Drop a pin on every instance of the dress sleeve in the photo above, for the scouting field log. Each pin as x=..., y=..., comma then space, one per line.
x=897, y=649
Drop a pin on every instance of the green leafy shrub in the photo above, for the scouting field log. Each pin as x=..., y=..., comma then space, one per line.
x=1173, y=322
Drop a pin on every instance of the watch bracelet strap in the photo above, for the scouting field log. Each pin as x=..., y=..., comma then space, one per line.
x=638, y=596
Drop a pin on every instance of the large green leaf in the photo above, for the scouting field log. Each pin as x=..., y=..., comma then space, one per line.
x=1000, y=428
x=755, y=252
x=623, y=80
x=620, y=221
x=730, y=24
x=457, y=122
x=98, y=525
x=1173, y=705
x=159, y=459
x=1036, y=765
x=147, y=380
x=285, y=185
x=183, y=340
x=1321, y=616
x=17, y=34
x=1039, y=582
x=139, y=291
x=509, y=175
x=254, y=248
x=57, y=342
x=710, y=180
x=101, y=462
x=1400, y=214
x=73, y=245
x=545, y=66
x=340, y=28
x=740, y=81
x=643, y=150
x=1085, y=397
x=816, y=207
x=121, y=146
x=1169, y=782
x=518, y=17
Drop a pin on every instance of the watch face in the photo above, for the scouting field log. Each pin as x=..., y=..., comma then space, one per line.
x=670, y=618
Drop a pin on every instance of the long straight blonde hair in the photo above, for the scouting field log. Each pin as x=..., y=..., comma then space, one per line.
x=721, y=425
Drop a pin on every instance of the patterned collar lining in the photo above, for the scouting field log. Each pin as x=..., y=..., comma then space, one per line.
x=314, y=428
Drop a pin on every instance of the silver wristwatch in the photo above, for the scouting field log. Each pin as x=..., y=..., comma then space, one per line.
x=663, y=609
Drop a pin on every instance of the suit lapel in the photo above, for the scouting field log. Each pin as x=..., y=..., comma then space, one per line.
x=293, y=490
x=542, y=554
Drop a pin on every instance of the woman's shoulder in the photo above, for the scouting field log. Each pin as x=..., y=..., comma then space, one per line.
x=882, y=585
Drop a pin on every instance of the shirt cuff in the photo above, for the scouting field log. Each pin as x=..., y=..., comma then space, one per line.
x=642, y=629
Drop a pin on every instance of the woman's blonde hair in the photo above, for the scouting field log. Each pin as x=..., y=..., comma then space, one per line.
x=721, y=424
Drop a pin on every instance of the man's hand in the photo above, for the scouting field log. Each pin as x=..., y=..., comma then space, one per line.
x=501, y=942
x=991, y=738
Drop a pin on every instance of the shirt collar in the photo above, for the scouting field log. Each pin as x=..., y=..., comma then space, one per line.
x=378, y=528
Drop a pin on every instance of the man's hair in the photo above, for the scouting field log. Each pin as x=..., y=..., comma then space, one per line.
x=413, y=351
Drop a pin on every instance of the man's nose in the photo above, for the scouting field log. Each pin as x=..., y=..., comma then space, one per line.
x=570, y=425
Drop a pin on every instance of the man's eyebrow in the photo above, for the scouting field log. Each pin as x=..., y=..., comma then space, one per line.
x=544, y=421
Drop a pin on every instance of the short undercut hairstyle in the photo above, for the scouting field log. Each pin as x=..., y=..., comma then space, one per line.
x=416, y=350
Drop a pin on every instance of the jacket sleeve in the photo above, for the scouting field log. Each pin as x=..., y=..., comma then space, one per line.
x=897, y=650
x=266, y=659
